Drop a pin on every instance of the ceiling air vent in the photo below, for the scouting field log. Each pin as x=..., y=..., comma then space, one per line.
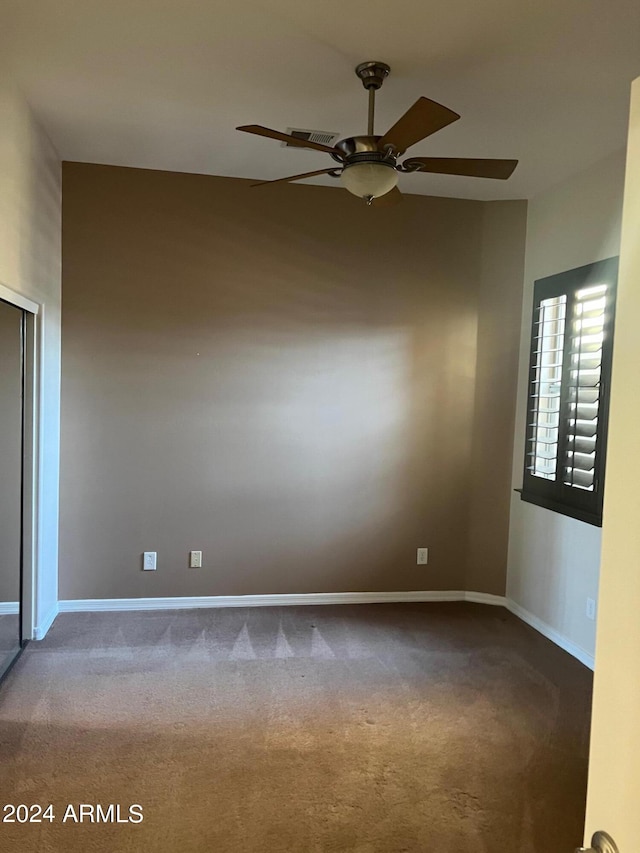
x=324, y=137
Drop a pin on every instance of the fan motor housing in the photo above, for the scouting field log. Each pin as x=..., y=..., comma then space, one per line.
x=362, y=149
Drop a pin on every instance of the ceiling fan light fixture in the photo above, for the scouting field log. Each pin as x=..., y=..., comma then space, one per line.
x=369, y=180
x=369, y=162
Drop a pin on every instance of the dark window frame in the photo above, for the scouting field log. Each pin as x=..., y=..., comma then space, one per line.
x=555, y=495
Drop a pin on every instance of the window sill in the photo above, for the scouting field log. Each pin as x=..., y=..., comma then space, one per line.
x=562, y=509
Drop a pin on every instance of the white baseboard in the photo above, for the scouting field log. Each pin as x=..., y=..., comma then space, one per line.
x=485, y=598
x=40, y=631
x=12, y=608
x=186, y=602
x=89, y=605
x=551, y=634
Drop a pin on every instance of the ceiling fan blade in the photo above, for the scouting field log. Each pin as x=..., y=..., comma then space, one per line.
x=297, y=177
x=259, y=130
x=389, y=199
x=421, y=120
x=499, y=169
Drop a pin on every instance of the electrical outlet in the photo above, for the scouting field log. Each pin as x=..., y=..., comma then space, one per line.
x=423, y=556
x=149, y=559
x=195, y=559
x=591, y=608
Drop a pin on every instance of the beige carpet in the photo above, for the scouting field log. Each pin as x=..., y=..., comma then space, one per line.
x=370, y=728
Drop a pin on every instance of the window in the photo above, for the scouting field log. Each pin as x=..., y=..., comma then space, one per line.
x=568, y=401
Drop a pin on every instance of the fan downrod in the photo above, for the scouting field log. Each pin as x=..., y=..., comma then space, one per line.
x=372, y=75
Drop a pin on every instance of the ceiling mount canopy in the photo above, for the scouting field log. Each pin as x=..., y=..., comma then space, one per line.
x=372, y=74
x=368, y=165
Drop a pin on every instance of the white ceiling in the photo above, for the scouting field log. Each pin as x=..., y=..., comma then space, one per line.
x=163, y=83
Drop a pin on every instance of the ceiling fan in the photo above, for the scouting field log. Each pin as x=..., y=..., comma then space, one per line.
x=368, y=165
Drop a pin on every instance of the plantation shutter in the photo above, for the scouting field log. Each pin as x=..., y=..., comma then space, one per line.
x=587, y=328
x=546, y=386
x=571, y=341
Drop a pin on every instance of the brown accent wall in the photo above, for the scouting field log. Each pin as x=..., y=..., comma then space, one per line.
x=496, y=379
x=281, y=378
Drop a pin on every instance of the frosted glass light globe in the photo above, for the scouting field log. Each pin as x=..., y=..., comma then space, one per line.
x=369, y=180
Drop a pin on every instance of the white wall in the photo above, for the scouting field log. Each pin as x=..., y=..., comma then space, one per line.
x=614, y=762
x=553, y=562
x=30, y=263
